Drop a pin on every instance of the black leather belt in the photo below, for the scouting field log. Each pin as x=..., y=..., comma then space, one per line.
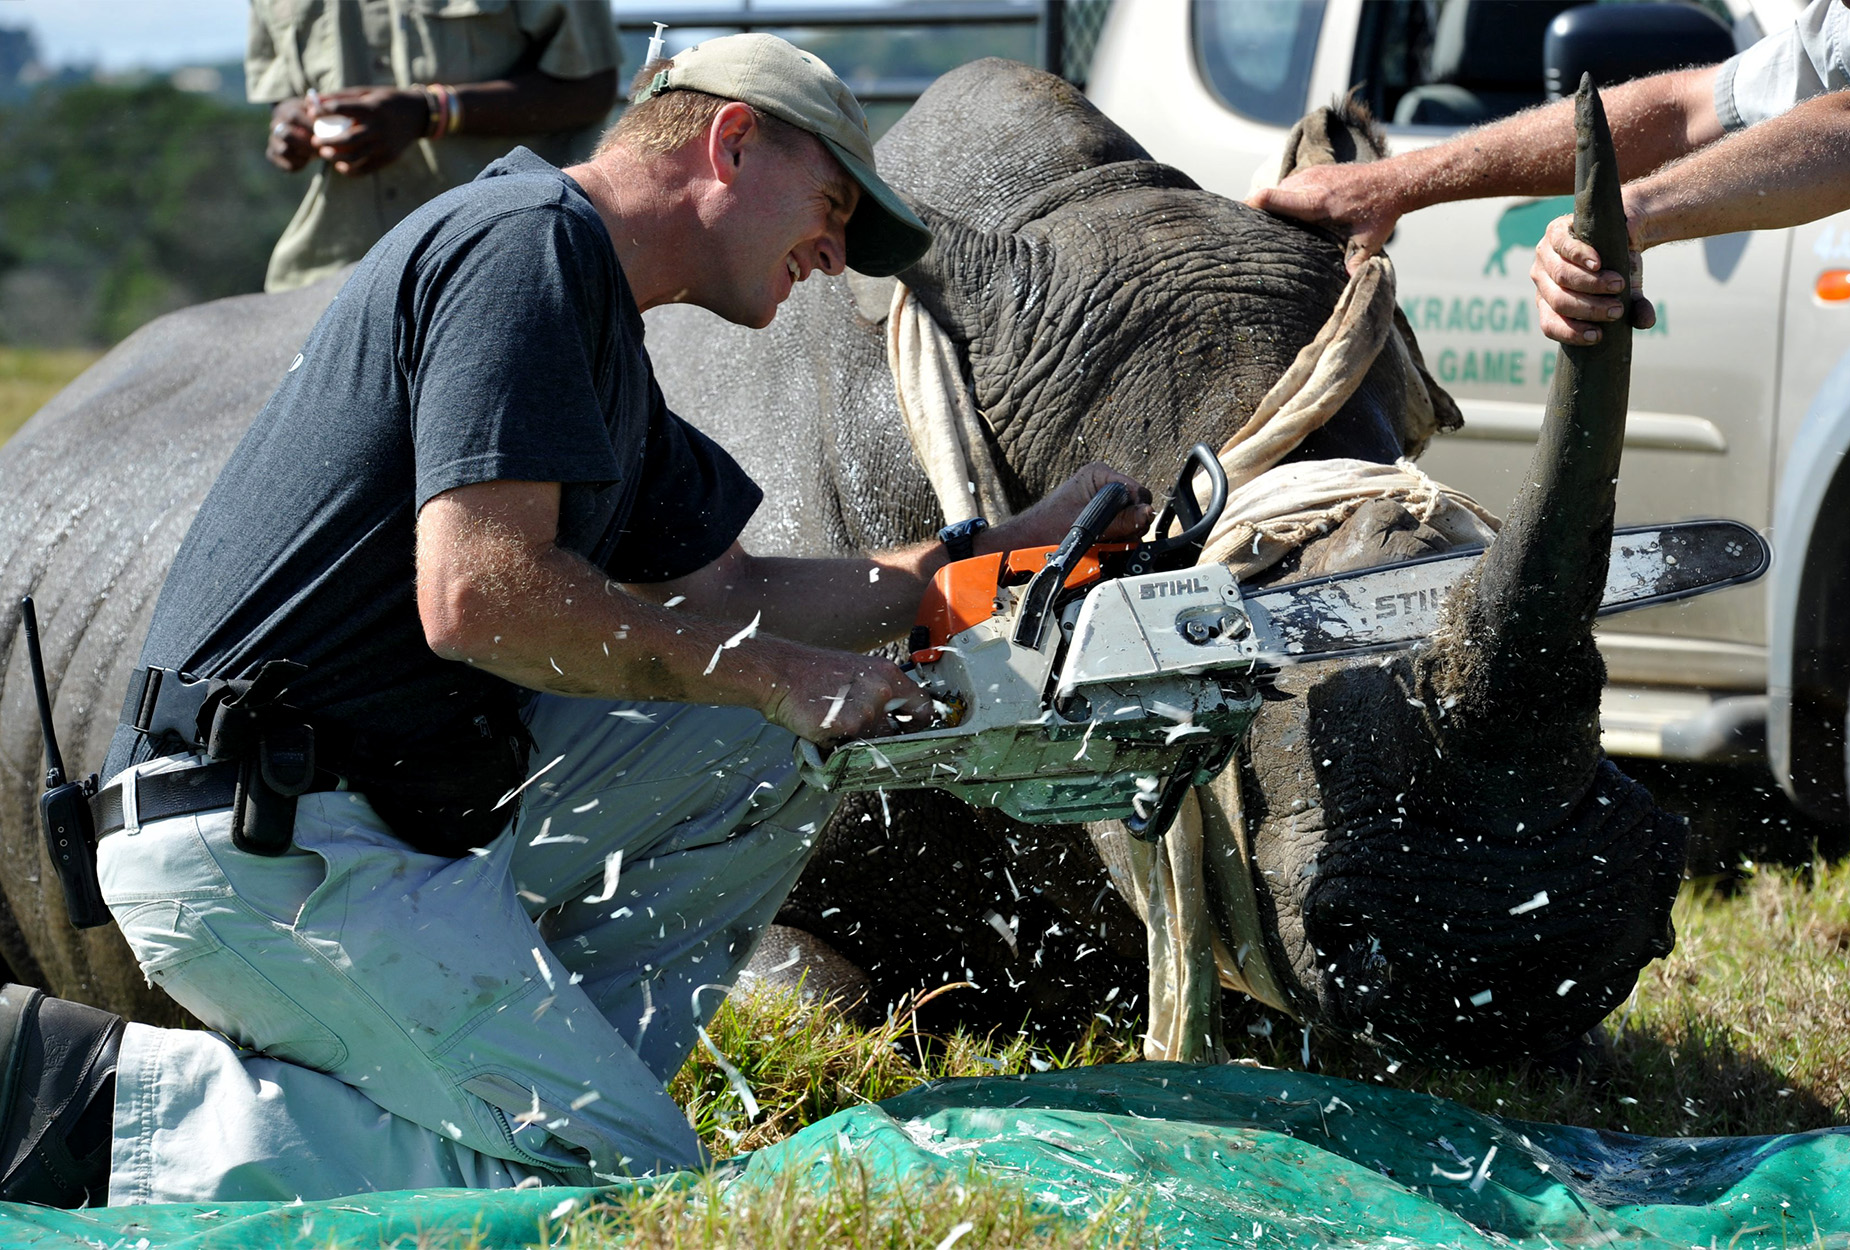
x=202, y=788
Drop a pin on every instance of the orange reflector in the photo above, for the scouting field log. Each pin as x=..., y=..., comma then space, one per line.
x=1834, y=285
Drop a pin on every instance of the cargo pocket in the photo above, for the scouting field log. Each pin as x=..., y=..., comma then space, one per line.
x=179, y=953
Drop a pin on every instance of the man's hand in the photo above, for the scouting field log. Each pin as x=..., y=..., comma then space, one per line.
x=1351, y=197
x=1574, y=295
x=1047, y=522
x=384, y=121
x=829, y=696
x=291, y=135
x=832, y=695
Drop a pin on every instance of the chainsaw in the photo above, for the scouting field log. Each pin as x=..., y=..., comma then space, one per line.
x=1100, y=681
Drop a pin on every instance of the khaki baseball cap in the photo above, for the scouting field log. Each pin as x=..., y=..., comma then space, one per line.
x=884, y=236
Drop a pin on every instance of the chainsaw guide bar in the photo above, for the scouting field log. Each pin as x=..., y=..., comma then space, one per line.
x=1151, y=679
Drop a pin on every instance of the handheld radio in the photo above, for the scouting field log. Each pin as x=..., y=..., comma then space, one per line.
x=64, y=808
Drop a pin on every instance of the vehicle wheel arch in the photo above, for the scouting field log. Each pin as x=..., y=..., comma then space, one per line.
x=1808, y=605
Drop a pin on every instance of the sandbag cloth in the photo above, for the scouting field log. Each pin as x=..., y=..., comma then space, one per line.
x=1194, y=889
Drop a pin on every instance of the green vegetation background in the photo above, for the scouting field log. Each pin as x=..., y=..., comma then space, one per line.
x=119, y=203
x=123, y=201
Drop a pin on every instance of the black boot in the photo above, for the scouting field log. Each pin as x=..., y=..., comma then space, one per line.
x=57, y=1099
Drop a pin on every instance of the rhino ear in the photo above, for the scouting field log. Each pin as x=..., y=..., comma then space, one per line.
x=976, y=282
x=1341, y=132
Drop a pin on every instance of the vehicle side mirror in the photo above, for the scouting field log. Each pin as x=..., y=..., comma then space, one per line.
x=1618, y=42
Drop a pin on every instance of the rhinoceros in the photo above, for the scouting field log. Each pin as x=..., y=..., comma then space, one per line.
x=1103, y=307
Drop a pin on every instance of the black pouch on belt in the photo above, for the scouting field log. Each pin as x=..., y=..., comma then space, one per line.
x=275, y=750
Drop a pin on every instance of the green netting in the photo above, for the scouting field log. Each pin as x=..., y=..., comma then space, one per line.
x=1230, y=1155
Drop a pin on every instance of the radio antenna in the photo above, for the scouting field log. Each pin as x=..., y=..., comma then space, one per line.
x=54, y=762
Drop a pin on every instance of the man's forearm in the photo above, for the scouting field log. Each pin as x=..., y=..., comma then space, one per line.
x=860, y=602
x=1783, y=172
x=534, y=102
x=1654, y=120
x=852, y=604
x=857, y=603
x=550, y=620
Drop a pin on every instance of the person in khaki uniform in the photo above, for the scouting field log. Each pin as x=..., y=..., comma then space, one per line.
x=414, y=97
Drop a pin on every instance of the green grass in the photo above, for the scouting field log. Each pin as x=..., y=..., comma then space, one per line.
x=1744, y=1029
x=851, y=1214
x=804, y=1065
x=30, y=376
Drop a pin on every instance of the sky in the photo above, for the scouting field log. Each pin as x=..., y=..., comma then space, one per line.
x=125, y=34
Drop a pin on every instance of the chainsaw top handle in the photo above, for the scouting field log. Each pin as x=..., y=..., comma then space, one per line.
x=1164, y=552
x=1038, y=599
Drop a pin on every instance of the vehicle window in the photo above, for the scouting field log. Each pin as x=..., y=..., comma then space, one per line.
x=1393, y=47
x=1451, y=62
x=1256, y=54
x=1455, y=63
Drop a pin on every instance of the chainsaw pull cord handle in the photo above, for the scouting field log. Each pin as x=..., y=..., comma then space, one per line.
x=1162, y=553
x=1037, y=602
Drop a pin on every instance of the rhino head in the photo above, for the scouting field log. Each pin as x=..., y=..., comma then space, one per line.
x=1406, y=816
x=1469, y=877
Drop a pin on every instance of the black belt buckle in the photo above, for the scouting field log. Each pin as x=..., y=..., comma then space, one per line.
x=163, y=701
x=241, y=723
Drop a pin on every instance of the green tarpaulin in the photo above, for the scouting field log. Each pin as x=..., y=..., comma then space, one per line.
x=1228, y=1155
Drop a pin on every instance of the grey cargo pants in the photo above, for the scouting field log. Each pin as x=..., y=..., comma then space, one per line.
x=399, y=1020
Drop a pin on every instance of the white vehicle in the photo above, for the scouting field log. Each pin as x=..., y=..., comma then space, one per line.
x=1740, y=406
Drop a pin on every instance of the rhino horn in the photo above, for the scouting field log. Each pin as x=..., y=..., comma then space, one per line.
x=1528, y=671
x=1516, y=778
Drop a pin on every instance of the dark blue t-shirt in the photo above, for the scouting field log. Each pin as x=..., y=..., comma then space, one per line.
x=490, y=336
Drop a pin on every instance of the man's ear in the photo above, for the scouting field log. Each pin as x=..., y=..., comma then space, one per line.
x=733, y=128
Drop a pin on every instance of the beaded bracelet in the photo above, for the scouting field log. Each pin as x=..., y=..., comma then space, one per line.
x=433, y=111
x=445, y=108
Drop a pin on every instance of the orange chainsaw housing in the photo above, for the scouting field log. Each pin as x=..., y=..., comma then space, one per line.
x=964, y=592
